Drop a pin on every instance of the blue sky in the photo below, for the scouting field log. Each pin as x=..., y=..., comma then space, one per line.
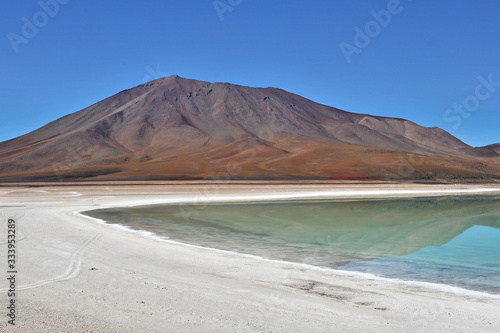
x=432, y=62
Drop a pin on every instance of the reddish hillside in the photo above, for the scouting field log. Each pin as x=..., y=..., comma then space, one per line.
x=175, y=128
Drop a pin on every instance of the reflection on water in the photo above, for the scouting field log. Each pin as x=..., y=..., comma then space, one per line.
x=407, y=238
x=470, y=260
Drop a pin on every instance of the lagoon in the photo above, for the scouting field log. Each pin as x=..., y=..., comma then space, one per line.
x=451, y=240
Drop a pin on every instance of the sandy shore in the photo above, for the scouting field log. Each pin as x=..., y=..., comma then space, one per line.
x=76, y=275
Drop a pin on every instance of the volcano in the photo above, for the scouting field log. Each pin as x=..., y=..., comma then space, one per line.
x=175, y=128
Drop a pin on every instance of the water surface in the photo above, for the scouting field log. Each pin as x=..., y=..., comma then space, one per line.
x=452, y=240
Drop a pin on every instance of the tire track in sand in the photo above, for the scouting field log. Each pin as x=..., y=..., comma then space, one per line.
x=72, y=271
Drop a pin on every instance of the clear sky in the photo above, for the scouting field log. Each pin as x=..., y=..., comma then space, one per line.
x=433, y=62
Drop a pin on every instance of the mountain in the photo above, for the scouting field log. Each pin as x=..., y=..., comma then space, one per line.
x=493, y=147
x=176, y=128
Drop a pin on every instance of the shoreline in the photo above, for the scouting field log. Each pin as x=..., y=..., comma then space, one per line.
x=427, y=286
x=127, y=282
x=249, y=182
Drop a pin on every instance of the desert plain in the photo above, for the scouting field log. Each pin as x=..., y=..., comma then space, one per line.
x=75, y=274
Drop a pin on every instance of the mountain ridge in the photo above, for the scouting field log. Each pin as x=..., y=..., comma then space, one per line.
x=176, y=128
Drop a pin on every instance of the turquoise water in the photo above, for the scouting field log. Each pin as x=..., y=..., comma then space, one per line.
x=471, y=260
x=451, y=240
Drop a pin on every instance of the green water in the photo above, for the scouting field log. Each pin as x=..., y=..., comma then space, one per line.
x=451, y=240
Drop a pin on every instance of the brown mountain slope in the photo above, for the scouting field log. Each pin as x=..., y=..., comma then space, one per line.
x=493, y=147
x=175, y=128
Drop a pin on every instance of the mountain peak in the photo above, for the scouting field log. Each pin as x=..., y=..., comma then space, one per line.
x=161, y=80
